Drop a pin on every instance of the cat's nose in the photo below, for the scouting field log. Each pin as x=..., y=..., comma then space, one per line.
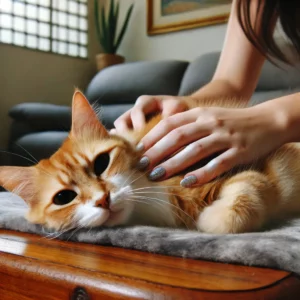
x=104, y=201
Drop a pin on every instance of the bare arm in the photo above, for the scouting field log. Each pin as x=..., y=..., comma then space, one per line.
x=239, y=66
x=286, y=112
x=236, y=76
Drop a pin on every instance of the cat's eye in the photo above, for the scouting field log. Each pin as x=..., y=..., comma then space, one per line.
x=64, y=197
x=101, y=163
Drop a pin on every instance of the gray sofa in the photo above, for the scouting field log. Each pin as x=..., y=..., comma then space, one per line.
x=41, y=128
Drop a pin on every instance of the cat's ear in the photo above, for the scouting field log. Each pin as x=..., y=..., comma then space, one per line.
x=20, y=181
x=84, y=118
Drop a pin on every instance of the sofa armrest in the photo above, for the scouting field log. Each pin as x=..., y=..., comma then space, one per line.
x=42, y=116
x=36, y=117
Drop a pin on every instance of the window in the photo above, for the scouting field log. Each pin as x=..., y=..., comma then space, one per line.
x=57, y=26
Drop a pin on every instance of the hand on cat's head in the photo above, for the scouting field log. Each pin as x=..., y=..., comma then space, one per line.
x=80, y=184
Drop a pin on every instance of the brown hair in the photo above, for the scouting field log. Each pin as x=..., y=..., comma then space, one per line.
x=287, y=12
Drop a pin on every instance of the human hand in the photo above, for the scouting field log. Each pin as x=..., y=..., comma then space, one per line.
x=145, y=105
x=240, y=135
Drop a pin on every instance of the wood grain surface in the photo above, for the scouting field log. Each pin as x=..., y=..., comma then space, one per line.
x=33, y=267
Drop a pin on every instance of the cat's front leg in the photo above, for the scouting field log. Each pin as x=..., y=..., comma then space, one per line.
x=242, y=206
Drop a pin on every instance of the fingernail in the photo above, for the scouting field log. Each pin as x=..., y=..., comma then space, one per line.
x=188, y=181
x=157, y=173
x=143, y=163
x=140, y=147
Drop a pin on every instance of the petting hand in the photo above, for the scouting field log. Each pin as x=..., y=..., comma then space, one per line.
x=240, y=135
x=145, y=105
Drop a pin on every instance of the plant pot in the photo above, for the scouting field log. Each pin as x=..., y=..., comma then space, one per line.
x=105, y=60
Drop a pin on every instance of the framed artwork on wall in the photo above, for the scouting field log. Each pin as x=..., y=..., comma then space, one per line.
x=173, y=15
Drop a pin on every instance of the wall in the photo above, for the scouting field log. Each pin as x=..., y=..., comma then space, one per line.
x=32, y=76
x=182, y=45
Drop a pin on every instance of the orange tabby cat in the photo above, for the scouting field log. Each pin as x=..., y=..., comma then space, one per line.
x=92, y=181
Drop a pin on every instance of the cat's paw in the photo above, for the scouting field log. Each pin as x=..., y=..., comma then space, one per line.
x=231, y=215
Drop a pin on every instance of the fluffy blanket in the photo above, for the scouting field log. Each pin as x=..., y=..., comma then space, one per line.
x=277, y=248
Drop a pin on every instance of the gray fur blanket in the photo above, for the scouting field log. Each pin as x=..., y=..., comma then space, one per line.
x=278, y=248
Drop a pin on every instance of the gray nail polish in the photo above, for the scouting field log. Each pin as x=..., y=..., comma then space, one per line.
x=157, y=173
x=188, y=181
x=143, y=163
x=139, y=147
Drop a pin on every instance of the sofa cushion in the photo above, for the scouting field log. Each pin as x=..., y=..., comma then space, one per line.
x=272, y=77
x=123, y=84
x=40, y=145
x=109, y=113
x=261, y=96
x=198, y=73
x=275, y=78
x=42, y=116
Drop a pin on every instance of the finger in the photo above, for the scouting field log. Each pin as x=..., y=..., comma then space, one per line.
x=190, y=155
x=174, y=141
x=123, y=123
x=144, y=105
x=214, y=168
x=172, y=107
x=165, y=126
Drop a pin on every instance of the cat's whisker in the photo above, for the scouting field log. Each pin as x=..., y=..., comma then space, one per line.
x=56, y=234
x=167, y=202
x=129, y=177
x=157, y=187
x=27, y=153
x=26, y=158
x=150, y=192
x=134, y=180
x=47, y=235
x=19, y=155
x=60, y=231
x=91, y=227
x=163, y=201
x=45, y=172
x=191, y=199
x=74, y=231
x=143, y=200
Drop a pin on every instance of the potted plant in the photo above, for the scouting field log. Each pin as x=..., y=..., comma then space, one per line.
x=106, y=28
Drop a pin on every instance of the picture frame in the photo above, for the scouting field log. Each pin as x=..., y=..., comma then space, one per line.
x=165, y=16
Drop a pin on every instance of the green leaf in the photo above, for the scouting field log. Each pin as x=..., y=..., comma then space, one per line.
x=111, y=24
x=124, y=27
x=105, y=44
x=116, y=20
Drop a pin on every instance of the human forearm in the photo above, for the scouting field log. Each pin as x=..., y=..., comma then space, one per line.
x=222, y=89
x=286, y=112
x=239, y=66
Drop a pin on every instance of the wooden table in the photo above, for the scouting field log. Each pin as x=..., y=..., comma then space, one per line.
x=32, y=267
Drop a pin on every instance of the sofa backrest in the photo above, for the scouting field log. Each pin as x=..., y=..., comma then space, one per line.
x=273, y=82
x=123, y=84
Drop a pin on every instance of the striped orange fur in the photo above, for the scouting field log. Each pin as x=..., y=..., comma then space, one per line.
x=99, y=171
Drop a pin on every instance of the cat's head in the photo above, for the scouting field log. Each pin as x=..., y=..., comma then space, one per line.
x=84, y=183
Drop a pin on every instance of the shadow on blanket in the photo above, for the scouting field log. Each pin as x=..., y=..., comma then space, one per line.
x=278, y=248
